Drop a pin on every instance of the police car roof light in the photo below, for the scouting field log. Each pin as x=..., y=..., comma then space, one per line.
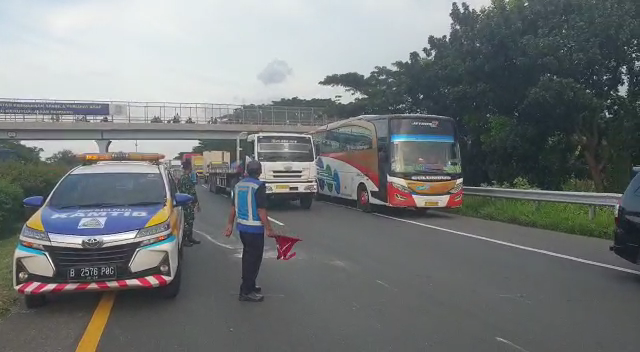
x=119, y=156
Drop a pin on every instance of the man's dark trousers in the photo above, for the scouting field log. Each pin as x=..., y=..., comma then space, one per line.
x=253, y=248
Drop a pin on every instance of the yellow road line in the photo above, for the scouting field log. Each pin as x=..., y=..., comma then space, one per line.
x=91, y=337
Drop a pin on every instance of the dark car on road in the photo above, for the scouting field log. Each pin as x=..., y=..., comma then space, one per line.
x=626, y=236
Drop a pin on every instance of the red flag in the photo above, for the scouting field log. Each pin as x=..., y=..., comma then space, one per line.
x=285, y=245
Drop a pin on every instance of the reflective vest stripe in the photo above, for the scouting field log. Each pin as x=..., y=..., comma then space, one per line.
x=245, y=205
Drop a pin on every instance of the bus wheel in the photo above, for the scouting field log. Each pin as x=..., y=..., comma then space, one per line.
x=363, y=199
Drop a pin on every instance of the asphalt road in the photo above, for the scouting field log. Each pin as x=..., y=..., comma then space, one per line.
x=366, y=282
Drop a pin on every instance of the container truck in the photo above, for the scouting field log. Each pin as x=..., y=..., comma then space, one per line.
x=288, y=166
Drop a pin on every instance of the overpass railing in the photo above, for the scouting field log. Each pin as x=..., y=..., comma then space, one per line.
x=590, y=199
x=39, y=110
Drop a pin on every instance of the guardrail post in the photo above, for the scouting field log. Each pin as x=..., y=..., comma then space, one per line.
x=592, y=212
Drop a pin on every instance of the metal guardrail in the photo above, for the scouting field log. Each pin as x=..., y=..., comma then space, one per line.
x=586, y=198
x=39, y=110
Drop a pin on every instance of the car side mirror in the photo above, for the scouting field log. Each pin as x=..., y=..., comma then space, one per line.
x=182, y=199
x=33, y=202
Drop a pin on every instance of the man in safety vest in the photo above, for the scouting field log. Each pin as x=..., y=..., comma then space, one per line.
x=250, y=208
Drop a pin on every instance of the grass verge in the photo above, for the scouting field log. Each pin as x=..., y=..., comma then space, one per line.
x=8, y=295
x=568, y=218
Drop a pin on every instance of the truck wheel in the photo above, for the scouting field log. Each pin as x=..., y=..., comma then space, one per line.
x=306, y=201
x=34, y=301
x=173, y=288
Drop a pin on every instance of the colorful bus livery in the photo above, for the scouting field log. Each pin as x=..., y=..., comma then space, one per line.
x=395, y=160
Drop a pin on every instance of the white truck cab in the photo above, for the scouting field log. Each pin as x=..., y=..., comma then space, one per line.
x=288, y=165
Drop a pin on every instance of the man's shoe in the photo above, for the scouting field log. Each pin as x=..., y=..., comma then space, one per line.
x=251, y=297
x=257, y=289
x=187, y=243
x=194, y=241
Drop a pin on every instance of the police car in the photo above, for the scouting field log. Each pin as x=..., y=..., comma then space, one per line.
x=113, y=223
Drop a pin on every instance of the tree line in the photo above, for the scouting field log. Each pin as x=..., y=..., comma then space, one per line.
x=542, y=90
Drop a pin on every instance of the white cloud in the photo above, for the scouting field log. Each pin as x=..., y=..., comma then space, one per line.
x=202, y=50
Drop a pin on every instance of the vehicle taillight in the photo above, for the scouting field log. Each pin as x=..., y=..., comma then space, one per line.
x=617, y=213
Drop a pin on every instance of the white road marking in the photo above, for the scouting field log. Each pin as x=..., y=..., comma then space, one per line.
x=553, y=254
x=224, y=245
x=516, y=297
x=204, y=186
x=511, y=344
x=276, y=221
x=383, y=284
x=513, y=245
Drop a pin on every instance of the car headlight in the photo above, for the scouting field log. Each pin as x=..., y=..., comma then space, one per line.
x=154, y=230
x=456, y=189
x=400, y=187
x=30, y=233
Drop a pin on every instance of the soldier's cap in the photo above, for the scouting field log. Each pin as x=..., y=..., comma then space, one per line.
x=254, y=167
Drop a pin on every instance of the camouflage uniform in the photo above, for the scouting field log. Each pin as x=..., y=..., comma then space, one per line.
x=185, y=185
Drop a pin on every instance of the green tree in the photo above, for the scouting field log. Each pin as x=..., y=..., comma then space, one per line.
x=22, y=152
x=65, y=157
x=545, y=90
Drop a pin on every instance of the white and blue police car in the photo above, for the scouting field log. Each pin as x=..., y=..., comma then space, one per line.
x=113, y=223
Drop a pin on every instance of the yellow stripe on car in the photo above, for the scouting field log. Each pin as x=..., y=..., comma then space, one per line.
x=161, y=216
x=35, y=221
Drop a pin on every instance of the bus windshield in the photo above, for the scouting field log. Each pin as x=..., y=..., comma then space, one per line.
x=424, y=145
x=285, y=148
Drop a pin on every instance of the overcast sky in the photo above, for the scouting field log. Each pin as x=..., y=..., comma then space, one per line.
x=206, y=51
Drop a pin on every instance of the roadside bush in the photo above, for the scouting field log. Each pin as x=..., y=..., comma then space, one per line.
x=518, y=183
x=10, y=205
x=35, y=179
x=576, y=185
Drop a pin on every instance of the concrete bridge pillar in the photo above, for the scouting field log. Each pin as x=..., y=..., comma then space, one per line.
x=103, y=145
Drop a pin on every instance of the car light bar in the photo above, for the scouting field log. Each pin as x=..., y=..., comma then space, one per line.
x=119, y=156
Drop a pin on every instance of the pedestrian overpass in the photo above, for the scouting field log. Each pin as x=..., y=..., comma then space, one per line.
x=103, y=122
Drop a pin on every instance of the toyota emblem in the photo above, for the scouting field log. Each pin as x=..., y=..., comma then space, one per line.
x=92, y=243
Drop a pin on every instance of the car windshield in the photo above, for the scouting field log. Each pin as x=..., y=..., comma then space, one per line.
x=109, y=189
x=293, y=149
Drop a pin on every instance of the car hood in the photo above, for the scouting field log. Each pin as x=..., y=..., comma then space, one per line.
x=97, y=221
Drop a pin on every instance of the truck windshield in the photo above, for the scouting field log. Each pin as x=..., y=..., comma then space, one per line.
x=292, y=149
x=424, y=145
x=109, y=189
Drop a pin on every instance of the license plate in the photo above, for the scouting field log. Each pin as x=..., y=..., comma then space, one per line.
x=282, y=187
x=92, y=273
x=431, y=204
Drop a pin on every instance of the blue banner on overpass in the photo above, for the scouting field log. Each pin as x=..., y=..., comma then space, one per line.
x=51, y=108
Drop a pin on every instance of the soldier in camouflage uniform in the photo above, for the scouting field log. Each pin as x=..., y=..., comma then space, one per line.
x=186, y=186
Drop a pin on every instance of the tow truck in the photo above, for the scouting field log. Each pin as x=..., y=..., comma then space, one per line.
x=113, y=223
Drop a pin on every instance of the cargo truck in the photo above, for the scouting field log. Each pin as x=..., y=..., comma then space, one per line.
x=288, y=166
x=198, y=165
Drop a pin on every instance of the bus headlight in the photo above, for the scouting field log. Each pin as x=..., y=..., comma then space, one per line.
x=457, y=188
x=400, y=187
